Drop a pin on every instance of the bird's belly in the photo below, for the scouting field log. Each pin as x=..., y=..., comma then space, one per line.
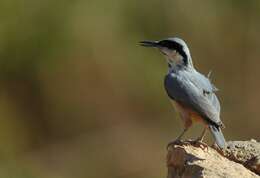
x=195, y=117
x=186, y=112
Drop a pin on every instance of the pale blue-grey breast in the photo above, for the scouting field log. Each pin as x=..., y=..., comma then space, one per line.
x=194, y=90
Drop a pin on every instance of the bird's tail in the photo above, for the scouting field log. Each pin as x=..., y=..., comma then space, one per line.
x=218, y=136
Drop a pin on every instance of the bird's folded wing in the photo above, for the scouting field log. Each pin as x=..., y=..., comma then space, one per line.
x=203, y=83
x=181, y=89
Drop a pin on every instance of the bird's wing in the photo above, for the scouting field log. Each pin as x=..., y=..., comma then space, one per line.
x=190, y=92
x=203, y=83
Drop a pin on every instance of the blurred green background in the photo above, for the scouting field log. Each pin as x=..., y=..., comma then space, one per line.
x=80, y=99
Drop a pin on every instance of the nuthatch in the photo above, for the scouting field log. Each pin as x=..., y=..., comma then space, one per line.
x=191, y=93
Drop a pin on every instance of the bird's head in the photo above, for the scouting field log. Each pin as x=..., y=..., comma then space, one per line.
x=174, y=49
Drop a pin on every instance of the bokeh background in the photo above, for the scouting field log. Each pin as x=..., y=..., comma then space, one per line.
x=80, y=99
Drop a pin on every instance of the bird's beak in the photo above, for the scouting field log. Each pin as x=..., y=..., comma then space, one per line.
x=149, y=44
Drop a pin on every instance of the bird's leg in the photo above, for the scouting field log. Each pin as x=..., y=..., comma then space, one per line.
x=201, y=137
x=199, y=141
x=176, y=141
x=185, y=116
x=182, y=133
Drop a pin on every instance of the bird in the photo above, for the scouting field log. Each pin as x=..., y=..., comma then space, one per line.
x=191, y=93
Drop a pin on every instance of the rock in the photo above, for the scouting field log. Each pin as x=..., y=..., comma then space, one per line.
x=244, y=152
x=185, y=160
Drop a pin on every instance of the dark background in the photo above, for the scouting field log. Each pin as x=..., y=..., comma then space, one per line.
x=80, y=99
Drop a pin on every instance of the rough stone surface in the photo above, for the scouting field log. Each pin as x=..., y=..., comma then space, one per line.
x=185, y=160
x=244, y=152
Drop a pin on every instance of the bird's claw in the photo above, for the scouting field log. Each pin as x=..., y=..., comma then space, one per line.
x=174, y=142
x=196, y=143
x=199, y=143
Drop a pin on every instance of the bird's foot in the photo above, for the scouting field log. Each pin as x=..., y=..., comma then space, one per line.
x=174, y=142
x=199, y=143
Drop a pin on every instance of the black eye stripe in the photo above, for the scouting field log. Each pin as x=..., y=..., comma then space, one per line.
x=174, y=46
x=170, y=44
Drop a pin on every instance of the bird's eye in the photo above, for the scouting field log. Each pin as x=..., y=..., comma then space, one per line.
x=167, y=44
x=164, y=53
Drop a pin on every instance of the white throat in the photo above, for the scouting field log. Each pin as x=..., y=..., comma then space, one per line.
x=173, y=57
